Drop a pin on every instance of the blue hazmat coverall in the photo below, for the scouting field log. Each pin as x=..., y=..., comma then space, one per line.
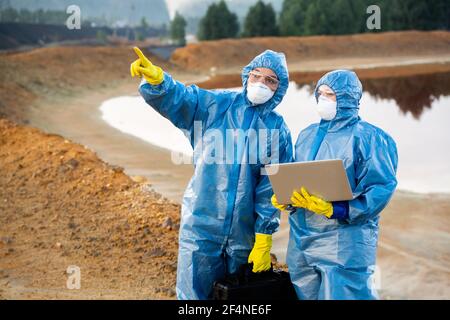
x=226, y=202
x=335, y=258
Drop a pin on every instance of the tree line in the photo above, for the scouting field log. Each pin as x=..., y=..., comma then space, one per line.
x=323, y=17
x=297, y=18
x=52, y=17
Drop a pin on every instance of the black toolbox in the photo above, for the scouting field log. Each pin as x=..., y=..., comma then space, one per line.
x=246, y=285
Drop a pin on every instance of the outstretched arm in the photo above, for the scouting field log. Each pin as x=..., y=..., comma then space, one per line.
x=175, y=101
x=181, y=104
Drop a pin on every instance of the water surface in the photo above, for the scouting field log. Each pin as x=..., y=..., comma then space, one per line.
x=415, y=111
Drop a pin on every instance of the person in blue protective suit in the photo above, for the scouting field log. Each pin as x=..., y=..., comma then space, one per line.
x=227, y=217
x=332, y=245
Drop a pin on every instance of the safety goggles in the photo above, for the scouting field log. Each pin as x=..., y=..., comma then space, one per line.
x=327, y=92
x=270, y=81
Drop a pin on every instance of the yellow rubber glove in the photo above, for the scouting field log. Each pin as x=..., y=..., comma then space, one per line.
x=143, y=67
x=312, y=203
x=260, y=254
x=276, y=204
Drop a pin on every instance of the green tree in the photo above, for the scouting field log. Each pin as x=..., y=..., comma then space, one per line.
x=178, y=29
x=101, y=36
x=260, y=21
x=440, y=14
x=419, y=15
x=55, y=17
x=144, y=23
x=139, y=35
x=218, y=23
x=292, y=17
x=316, y=19
x=359, y=13
x=409, y=15
x=9, y=15
x=39, y=16
x=397, y=19
x=341, y=19
x=25, y=16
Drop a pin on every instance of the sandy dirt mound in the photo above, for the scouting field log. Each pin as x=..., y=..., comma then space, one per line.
x=60, y=73
x=60, y=205
x=232, y=54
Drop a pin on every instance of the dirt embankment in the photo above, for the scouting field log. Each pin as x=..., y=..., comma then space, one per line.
x=59, y=74
x=372, y=56
x=230, y=55
x=61, y=205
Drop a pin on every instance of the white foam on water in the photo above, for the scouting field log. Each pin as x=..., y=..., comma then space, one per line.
x=133, y=116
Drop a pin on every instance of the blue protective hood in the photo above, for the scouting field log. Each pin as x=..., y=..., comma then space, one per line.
x=348, y=90
x=275, y=61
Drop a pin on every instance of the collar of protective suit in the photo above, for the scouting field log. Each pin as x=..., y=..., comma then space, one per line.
x=348, y=90
x=275, y=61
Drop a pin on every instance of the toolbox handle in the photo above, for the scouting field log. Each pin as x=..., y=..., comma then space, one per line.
x=246, y=274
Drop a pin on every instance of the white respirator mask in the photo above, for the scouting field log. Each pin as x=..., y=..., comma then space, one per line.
x=258, y=93
x=326, y=108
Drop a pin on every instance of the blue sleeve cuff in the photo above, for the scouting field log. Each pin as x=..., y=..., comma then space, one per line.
x=290, y=208
x=340, y=210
